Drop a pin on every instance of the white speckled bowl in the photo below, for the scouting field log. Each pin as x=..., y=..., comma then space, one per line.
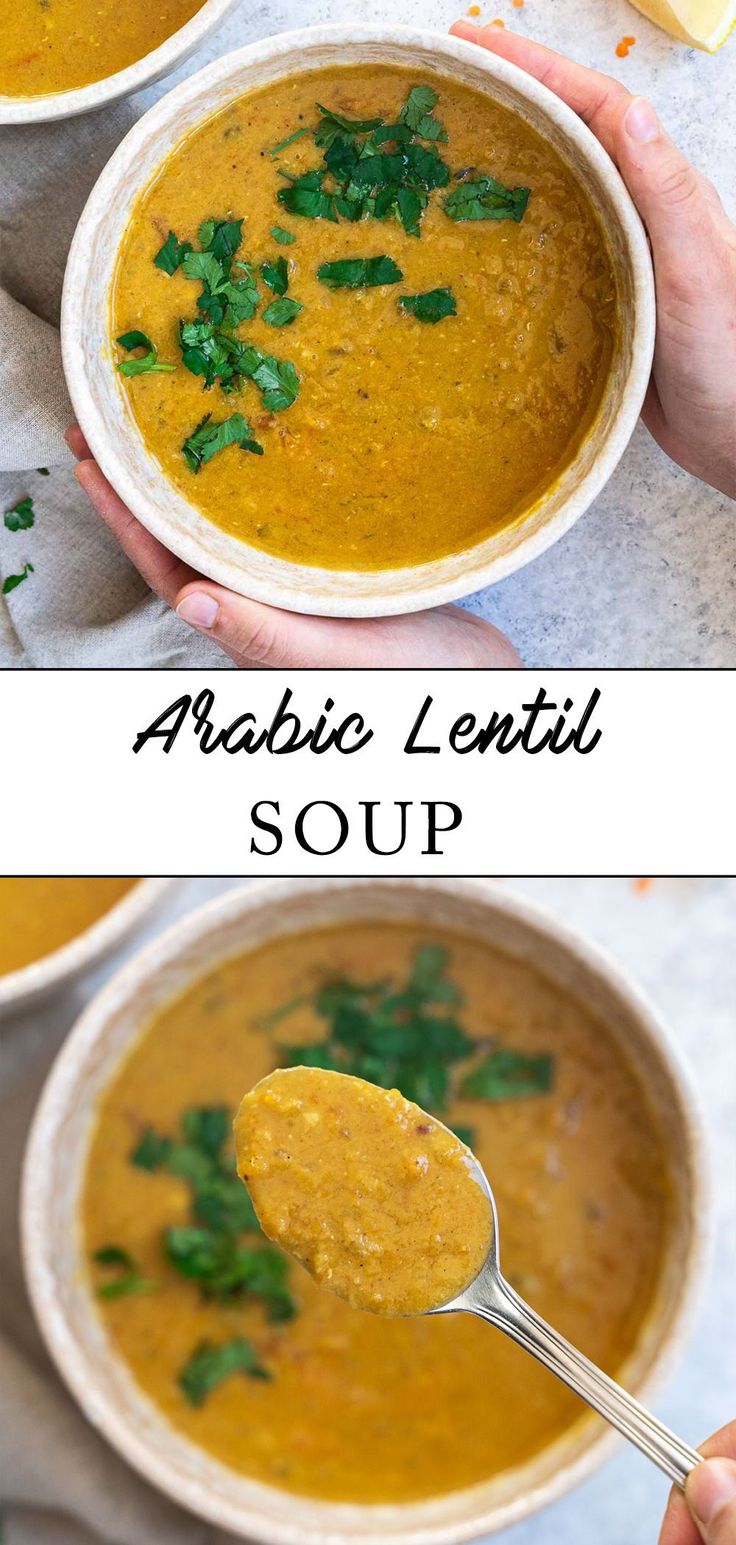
x=101, y=405
x=143, y=72
x=44, y=976
x=74, y=1333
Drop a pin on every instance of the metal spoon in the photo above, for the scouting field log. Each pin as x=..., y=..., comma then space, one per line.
x=491, y=1297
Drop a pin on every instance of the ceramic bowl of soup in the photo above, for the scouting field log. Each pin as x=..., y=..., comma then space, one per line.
x=221, y=1371
x=60, y=59
x=387, y=319
x=54, y=927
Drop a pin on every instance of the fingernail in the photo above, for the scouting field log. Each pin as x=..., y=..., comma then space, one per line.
x=198, y=609
x=641, y=122
x=709, y=1487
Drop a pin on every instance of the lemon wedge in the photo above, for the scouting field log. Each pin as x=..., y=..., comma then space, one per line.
x=701, y=23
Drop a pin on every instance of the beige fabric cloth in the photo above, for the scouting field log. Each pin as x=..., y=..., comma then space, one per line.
x=84, y=604
x=60, y=1484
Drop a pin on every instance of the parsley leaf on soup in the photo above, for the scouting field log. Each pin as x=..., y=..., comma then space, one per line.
x=210, y=1364
x=141, y=364
x=276, y=275
x=172, y=254
x=486, y=199
x=432, y=306
x=14, y=580
x=307, y=196
x=290, y=140
x=123, y=1276
x=209, y=438
x=284, y=238
x=281, y=312
x=359, y=273
x=21, y=517
x=417, y=114
x=508, y=1075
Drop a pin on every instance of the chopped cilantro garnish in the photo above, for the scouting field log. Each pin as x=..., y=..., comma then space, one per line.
x=359, y=273
x=277, y=381
x=210, y=1249
x=276, y=275
x=417, y=114
x=13, y=580
x=432, y=306
x=21, y=517
x=142, y=364
x=486, y=199
x=208, y=438
x=306, y=196
x=411, y=1037
x=371, y=168
x=210, y=1364
x=281, y=312
x=127, y=1278
x=508, y=1075
x=172, y=254
x=284, y=238
x=290, y=140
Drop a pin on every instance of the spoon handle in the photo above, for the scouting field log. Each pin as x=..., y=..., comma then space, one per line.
x=505, y=1309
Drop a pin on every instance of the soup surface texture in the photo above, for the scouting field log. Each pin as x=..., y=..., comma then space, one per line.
x=375, y=1198
x=39, y=915
x=334, y=1402
x=59, y=45
x=412, y=435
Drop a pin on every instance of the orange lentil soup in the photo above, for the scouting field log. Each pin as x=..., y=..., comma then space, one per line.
x=372, y=1195
x=239, y=1348
x=413, y=353
x=39, y=915
x=58, y=45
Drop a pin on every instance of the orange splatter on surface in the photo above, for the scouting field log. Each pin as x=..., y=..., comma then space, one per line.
x=517, y=4
x=473, y=10
x=497, y=22
x=622, y=47
x=642, y=885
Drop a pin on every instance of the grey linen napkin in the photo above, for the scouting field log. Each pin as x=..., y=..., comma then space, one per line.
x=84, y=604
x=60, y=1484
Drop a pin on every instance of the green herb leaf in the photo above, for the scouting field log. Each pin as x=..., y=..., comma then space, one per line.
x=359, y=273
x=291, y=140
x=227, y=1270
x=21, y=517
x=209, y=438
x=210, y=1364
x=142, y=364
x=508, y=1075
x=151, y=1151
x=172, y=254
x=432, y=306
x=306, y=196
x=13, y=580
x=276, y=275
x=128, y=1279
x=416, y=114
x=221, y=238
x=281, y=312
x=207, y=1127
x=284, y=238
x=277, y=381
x=486, y=199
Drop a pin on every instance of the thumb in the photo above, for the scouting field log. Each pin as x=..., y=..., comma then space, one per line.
x=673, y=199
x=710, y=1491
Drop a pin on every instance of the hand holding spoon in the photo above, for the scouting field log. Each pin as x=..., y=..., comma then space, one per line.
x=388, y=1208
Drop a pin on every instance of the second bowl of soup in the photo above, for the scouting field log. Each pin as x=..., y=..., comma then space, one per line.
x=358, y=320
x=218, y=1367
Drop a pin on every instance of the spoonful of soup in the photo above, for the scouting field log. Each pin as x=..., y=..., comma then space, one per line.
x=390, y=1210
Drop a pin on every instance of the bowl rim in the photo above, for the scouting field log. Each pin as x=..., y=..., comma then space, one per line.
x=359, y=593
x=142, y=72
x=49, y=972
x=71, y=1361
